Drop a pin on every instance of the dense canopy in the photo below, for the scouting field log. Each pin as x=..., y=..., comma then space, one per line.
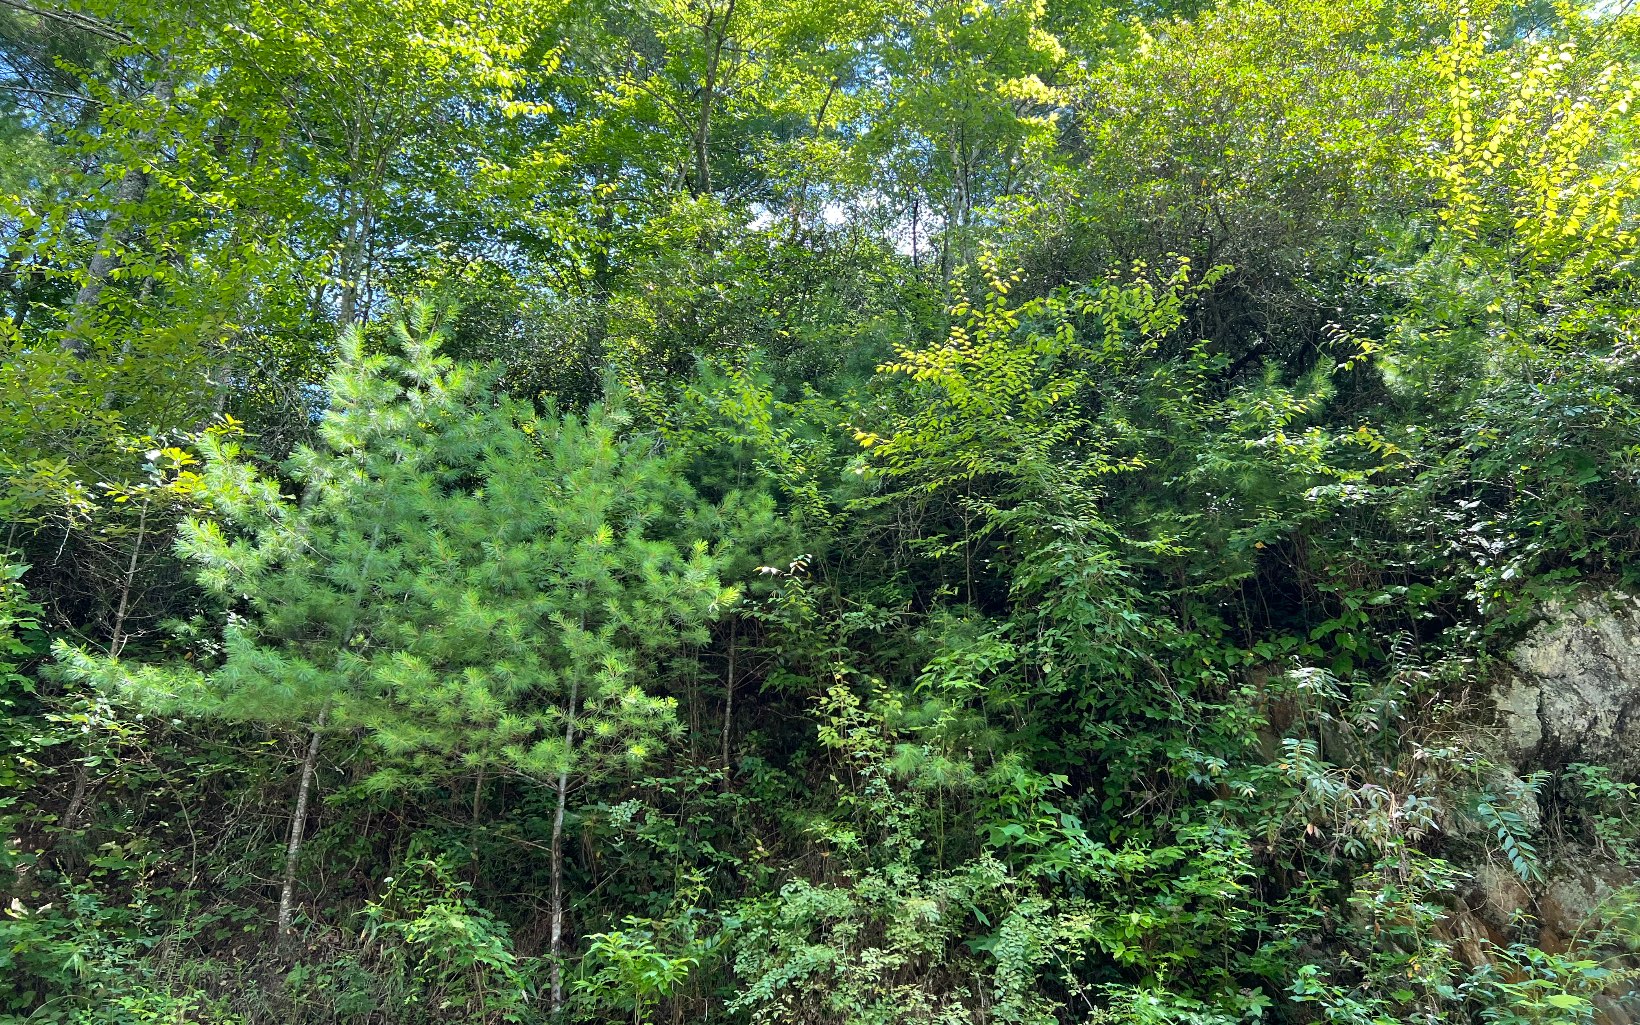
x=807, y=512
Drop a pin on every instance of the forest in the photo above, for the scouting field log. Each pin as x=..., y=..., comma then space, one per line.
x=817, y=512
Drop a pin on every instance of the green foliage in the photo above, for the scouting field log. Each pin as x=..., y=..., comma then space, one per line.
x=84, y=962
x=1511, y=308
x=630, y=970
x=21, y=641
x=1509, y=824
x=1606, y=806
x=443, y=951
x=1526, y=985
x=460, y=578
x=954, y=512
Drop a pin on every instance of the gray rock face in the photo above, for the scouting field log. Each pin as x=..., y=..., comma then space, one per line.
x=1574, y=695
x=1571, y=694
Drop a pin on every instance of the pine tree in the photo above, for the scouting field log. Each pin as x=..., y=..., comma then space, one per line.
x=477, y=587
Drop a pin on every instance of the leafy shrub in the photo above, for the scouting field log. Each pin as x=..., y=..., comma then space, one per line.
x=446, y=952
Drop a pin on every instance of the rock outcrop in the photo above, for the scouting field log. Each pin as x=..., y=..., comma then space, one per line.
x=1573, y=693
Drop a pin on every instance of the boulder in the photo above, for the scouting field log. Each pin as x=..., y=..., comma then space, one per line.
x=1573, y=690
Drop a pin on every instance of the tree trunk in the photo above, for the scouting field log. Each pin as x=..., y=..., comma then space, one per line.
x=116, y=643
x=945, y=247
x=603, y=278
x=916, y=215
x=708, y=94
x=728, y=709
x=133, y=188
x=348, y=302
x=349, y=305
x=76, y=801
x=298, y=825
x=802, y=198
x=556, y=942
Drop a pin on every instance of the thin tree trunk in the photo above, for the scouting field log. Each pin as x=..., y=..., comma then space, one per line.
x=475, y=833
x=945, y=247
x=133, y=188
x=117, y=642
x=298, y=825
x=728, y=709
x=556, y=943
x=916, y=215
x=708, y=96
x=347, y=269
x=803, y=188
x=76, y=801
x=348, y=303
x=602, y=281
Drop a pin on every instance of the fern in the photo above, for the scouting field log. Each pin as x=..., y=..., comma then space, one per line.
x=1511, y=829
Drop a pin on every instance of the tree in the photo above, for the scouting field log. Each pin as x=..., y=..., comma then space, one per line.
x=967, y=105
x=478, y=588
x=223, y=184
